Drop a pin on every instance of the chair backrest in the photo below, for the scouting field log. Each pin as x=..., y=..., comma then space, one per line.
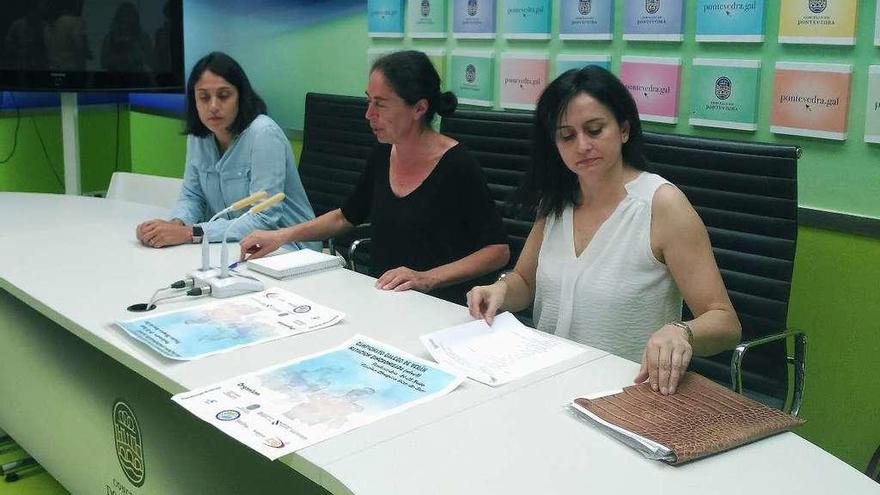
x=145, y=189
x=502, y=144
x=746, y=194
x=337, y=140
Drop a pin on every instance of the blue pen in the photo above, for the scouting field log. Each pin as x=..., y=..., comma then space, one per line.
x=233, y=266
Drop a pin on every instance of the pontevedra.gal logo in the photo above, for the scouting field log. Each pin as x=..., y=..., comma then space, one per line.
x=129, y=444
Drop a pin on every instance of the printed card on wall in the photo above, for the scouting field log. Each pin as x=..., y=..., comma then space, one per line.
x=586, y=19
x=438, y=58
x=811, y=99
x=471, y=76
x=653, y=83
x=724, y=93
x=526, y=19
x=739, y=21
x=818, y=22
x=473, y=19
x=872, y=113
x=653, y=20
x=385, y=18
x=568, y=62
x=523, y=77
x=877, y=25
x=427, y=18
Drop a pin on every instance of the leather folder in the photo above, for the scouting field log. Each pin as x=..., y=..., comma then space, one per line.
x=702, y=418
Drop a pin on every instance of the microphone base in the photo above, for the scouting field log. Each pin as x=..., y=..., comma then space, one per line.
x=234, y=286
x=200, y=277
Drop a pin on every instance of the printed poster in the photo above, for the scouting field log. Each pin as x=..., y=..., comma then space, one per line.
x=811, y=99
x=471, y=76
x=438, y=59
x=523, y=78
x=821, y=22
x=385, y=18
x=473, y=19
x=284, y=408
x=228, y=324
x=724, y=93
x=740, y=21
x=586, y=19
x=526, y=19
x=427, y=18
x=872, y=112
x=568, y=62
x=653, y=20
x=653, y=83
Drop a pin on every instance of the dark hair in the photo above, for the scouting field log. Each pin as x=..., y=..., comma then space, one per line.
x=549, y=185
x=250, y=105
x=413, y=77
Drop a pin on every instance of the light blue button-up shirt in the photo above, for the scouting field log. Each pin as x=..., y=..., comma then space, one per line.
x=258, y=159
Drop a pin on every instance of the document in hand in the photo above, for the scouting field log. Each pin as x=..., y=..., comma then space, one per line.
x=295, y=263
x=700, y=419
x=500, y=353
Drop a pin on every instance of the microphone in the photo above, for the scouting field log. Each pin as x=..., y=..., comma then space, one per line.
x=241, y=203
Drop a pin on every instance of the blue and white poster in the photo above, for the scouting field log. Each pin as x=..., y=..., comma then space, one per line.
x=385, y=18
x=730, y=21
x=653, y=20
x=474, y=19
x=290, y=406
x=586, y=19
x=526, y=19
x=567, y=62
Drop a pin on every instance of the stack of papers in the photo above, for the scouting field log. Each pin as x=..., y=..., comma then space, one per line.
x=497, y=354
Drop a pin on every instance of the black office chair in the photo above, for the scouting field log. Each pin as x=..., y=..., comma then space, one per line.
x=337, y=140
x=746, y=194
x=873, y=470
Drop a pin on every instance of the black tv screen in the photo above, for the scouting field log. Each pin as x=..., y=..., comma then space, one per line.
x=91, y=45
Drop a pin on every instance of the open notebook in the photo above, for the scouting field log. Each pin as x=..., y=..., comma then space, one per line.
x=700, y=419
x=295, y=263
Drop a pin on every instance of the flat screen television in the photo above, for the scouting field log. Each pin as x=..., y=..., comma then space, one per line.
x=91, y=45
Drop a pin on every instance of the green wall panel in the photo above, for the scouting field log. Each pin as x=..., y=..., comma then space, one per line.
x=157, y=145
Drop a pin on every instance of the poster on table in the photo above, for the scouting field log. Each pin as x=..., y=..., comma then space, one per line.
x=426, y=18
x=471, y=74
x=586, y=19
x=653, y=20
x=818, y=22
x=437, y=56
x=724, y=93
x=287, y=407
x=653, y=83
x=385, y=18
x=526, y=19
x=567, y=62
x=872, y=112
x=811, y=100
x=474, y=19
x=740, y=21
x=522, y=76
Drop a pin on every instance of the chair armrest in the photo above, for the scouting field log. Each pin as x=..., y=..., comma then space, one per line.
x=353, y=249
x=358, y=232
x=798, y=361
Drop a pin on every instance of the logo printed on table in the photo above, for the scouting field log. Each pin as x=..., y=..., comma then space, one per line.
x=723, y=88
x=129, y=443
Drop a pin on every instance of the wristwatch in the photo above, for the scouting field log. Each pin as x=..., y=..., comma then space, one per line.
x=197, y=234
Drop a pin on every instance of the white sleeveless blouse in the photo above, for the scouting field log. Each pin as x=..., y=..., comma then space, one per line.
x=616, y=293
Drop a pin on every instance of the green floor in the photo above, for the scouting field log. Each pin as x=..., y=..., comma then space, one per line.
x=32, y=481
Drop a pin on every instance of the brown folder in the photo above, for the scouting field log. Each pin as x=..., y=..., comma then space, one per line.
x=700, y=419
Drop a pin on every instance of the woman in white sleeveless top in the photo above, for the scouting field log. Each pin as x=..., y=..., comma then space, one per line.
x=614, y=248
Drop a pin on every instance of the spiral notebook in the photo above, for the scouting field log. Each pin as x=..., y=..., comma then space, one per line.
x=295, y=263
x=702, y=418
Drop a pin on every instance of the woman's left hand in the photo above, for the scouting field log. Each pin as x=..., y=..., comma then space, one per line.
x=162, y=233
x=665, y=359
x=403, y=278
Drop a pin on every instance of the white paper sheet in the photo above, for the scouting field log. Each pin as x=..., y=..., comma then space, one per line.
x=500, y=353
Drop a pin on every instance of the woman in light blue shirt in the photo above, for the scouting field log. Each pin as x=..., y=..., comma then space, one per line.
x=232, y=150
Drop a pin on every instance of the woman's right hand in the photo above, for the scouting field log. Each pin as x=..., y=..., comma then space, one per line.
x=260, y=243
x=484, y=300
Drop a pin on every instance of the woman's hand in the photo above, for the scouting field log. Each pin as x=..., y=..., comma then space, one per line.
x=260, y=243
x=403, y=278
x=665, y=359
x=484, y=300
x=161, y=233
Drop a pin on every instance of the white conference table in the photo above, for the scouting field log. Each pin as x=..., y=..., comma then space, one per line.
x=75, y=261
